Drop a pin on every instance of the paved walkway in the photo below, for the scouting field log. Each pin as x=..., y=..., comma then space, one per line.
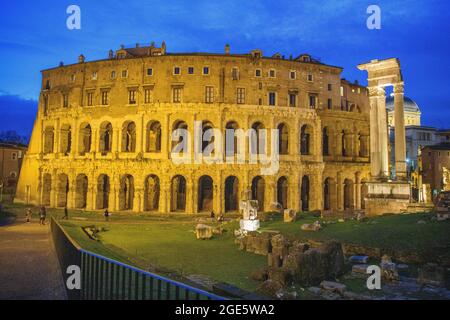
x=29, y=268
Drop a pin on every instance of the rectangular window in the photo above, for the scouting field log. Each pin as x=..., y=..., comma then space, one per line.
x=105, y=97
x=258, y=73
x=235, y=73
x=272, y=98
x=94, y=75
x=342, y=91
x=90, y=98
x=191, y=70
x=240, y=95
x=209, y=94
x=113, y=74
x=147, y=95
x=329, y=87
x=292, y=99
x=65, y=100
x=149, y=71
x=176, y=95
x=124, y=73
x=13, y=156
x=205, y=70
x=330, y=104
x=312, y=101
x=292, y=74
x=310, y=77
x=272, y=73
x=132, y=96
x=176, y=70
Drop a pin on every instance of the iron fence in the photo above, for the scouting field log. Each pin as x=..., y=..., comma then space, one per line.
x=106, y=279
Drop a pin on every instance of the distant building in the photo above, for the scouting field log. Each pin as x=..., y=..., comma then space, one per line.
x=434, y=159
x=411, y=110
x=11, y=156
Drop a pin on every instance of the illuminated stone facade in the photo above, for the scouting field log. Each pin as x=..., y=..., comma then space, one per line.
x=102, y=136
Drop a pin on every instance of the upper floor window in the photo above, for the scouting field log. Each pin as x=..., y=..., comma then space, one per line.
x=310, y=77
x=292, y=99
x=292, y=74
x=272, y=98
x=113, y=74
x=132, y=96
x=209, y=94
x=124, y=73
x=13, y=156
x=72, y=78
x=240, y=95
x=272, y=73
x=177, y=94
x=235, y=73
x=258, y=73
x=205, y=70
x=329, y=87
x=342, y=91
x=176, y=70
x=47, y=84
x=94, y=75
x=65, y=100
x=105, y=97
x=312, y=101
x=190, y=70
x=90, y=98
x=330, y=104
x=148, y=95
x=149, y=71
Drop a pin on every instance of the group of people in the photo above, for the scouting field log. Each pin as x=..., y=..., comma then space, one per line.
x=43, y=215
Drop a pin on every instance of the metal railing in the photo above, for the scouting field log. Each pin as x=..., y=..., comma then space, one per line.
x=106, y=279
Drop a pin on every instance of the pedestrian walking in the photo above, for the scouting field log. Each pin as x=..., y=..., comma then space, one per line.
x=106, y=214
x=66, y=213
x=28, y=215
x=42, y=215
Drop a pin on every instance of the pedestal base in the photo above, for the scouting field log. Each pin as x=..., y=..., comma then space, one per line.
x=387, y=197
x=249, y=225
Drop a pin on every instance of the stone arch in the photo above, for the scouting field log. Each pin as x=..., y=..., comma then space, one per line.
x=106, y=136
x=348, y=194
x=182, y=125
x=81, y=190
x=103, y=190
x=178, y=193
x=363, y=145
x=62, y=190
x=126, y=192
x=329, y=194
x=282, y=192
x=258, y=191
x=306, y=132
x=207, y=125
x=283, y=138
x=151, y=192
x=231, y=147
x=46, y=189
x=153, y=136
x=325, y=141
x=49, y=139
x=231, y=193
x=85, y=138
x=305, y=193
x=205, y=193
x=345, y=148
x=257, y=139
x=129, y=136
x=65, y=139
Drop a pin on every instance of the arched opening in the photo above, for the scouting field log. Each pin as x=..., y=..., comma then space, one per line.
x=283, y=138
x=46, y=189
x=66, y=139
x=364, y=192
x=258, y=190
x=205, y=193
x=325, y=142
x=344, y=143
x=49, y=136
x=85, y=138
x=129, y=137
x=63, y=190
x=231, y=193
x=231, y=141
x=348, y=194
x=327, y=194
x=305, y=139
x=182, y=139
x=282, y=192
x=206, y=125
x=305, y=193
x=152, y=189
x=126, y=192
x=106, y=134
x=103, y=189
x=153, y=136
x=363, y=145
x=257, y=139
x=81, y=191
x=178, y=193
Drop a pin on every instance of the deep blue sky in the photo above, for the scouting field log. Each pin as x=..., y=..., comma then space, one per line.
x=34, y=37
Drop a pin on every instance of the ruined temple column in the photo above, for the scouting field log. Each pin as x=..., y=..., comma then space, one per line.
x=383, y=133
x=164, y=198
x=400, y=140
x=375, y=161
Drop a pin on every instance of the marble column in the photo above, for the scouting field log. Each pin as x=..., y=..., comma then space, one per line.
x=400, y=140
x=382, y=134
x=375, y=161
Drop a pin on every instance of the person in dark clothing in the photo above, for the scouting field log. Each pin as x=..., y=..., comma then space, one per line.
x=42, y=215
x=66, y=214
x=213, y=214
x=106, y=214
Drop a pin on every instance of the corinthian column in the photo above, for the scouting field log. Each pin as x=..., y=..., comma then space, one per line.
x=375, y=161
x=400, y=142
x=383, y=134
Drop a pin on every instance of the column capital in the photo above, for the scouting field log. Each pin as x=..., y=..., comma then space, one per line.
x=376, y=91
x=399, y=88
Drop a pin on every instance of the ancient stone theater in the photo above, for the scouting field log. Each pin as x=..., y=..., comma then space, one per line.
x=104, y=133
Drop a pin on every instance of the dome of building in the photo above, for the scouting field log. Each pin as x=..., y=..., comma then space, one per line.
x=409, y=104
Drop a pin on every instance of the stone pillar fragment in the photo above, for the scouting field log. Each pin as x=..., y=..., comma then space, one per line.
x=400, y=140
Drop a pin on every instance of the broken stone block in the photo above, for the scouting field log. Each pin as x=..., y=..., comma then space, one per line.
x=432, y=274
x=270, y=288
x=203, y=231
x=386, y=259
x=359, y=259
x=289, y=215
x=389, y=271
x=360, y=268
x=316, y=226
x=282, y=275
x=333, y=286
x=259, y=275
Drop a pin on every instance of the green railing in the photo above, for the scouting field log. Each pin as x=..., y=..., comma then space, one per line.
x=106, y=279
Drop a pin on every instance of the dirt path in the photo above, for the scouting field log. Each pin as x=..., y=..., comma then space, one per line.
x=29, y=267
